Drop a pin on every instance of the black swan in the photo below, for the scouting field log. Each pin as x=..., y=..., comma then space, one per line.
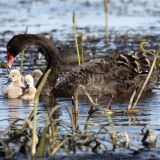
x=119, y=74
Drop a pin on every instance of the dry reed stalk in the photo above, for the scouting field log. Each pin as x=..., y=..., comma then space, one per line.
x=88, y=95
x=131, y=99
x=113, y=134
x=60, y=145
x=147, y=78
x=127, y=137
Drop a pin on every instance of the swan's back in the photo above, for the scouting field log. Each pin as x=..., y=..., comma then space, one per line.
x=118, y=74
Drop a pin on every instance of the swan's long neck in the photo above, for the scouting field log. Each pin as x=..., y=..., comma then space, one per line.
x=51, y=54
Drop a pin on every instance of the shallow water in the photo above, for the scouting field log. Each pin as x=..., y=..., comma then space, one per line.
x=55, y=18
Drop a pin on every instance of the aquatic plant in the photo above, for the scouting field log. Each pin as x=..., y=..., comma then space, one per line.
x=133, y=105
x=22, y=54
x=106, y=18
x=58, y=136
x=143, y=49
x=36, y=100
x=75, y=37
x=82, y=49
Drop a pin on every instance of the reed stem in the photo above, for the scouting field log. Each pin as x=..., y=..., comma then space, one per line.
x=148, y=76
x=22, y=54
x=82, y=49
x=75, y=37
x=106, y=18
x=36, y=100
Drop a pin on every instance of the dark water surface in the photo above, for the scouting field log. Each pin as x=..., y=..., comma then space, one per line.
x=129, y=22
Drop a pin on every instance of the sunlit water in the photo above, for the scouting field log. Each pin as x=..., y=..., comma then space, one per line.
x=57, y=18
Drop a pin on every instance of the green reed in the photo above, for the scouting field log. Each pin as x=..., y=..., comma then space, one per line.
x=22, y=54
x=36, y=100
x=106, y=18
x=82, y=49
x=75, y=37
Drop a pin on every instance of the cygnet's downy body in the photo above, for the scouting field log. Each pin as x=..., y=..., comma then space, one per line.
x=30, y=90
x=14, y=87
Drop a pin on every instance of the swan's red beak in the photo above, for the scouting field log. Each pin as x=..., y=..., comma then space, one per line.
x=10, y=59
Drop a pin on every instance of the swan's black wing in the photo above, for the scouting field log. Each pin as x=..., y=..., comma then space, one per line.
x=117, y=74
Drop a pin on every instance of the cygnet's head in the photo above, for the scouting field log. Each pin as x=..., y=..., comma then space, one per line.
x=37, y=73
x=15, y=75
x=29, y=81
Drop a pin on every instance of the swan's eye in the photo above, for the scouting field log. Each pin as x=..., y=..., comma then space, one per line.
x=13, y=76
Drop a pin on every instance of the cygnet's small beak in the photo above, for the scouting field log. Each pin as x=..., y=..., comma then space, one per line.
x=9, y=80
x=27, y=86
x=10, y=59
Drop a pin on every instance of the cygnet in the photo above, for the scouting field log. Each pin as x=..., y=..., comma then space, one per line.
x=14, y=87
x=30, y=90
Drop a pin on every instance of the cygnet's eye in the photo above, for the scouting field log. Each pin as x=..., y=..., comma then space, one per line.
x=13, y=75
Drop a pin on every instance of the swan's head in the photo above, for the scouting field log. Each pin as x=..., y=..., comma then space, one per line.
x=37, y=73
x=29, y=81
x=14, y=47
x=15, y=75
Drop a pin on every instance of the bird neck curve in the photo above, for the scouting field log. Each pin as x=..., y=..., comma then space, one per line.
x=50, y=51
x=51, y=54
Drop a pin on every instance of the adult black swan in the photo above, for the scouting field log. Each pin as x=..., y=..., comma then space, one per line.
x=116, y=75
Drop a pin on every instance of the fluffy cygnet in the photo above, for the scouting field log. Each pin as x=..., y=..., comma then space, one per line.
x=30, y=90
x=14, y=88
x=37, y=73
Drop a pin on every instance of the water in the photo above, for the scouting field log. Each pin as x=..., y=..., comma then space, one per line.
x=55, y=18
